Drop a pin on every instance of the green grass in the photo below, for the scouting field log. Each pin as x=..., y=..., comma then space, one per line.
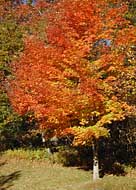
x=34, y=175
x=25, y=174
x=27, y=154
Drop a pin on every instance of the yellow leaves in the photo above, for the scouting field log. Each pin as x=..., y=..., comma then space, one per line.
x=96, y=113
x=83, y=122
x=130, y=56
x=85, y=135
x=113, y=106
x=99, y=131
x=115, y=111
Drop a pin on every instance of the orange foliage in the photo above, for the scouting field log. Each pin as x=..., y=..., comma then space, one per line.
x=70, y=79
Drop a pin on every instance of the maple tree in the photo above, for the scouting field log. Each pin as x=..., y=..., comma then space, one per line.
x=71, y=81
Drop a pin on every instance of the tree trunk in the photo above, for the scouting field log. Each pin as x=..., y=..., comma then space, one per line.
x=95, y=161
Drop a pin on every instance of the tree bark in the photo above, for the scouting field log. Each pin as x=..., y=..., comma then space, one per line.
x=95, y=160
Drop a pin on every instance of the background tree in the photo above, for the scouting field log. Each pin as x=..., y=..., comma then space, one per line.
x=10, y=47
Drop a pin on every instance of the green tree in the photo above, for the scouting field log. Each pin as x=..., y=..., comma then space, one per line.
x=131, y=15
x=11, y=45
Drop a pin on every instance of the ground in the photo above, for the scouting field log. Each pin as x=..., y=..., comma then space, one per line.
x=21, y=174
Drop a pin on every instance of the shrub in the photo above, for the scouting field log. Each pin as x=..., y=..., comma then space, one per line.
x=66, y=157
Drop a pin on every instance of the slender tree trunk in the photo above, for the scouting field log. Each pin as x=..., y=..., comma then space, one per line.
x=95, y=161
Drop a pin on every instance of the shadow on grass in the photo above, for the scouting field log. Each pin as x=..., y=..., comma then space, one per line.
x=6, y=181
x=2, y=163
x=115, y=168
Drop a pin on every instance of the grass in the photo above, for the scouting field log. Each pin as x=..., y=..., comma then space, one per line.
x=28, y=154
x=32, y=174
